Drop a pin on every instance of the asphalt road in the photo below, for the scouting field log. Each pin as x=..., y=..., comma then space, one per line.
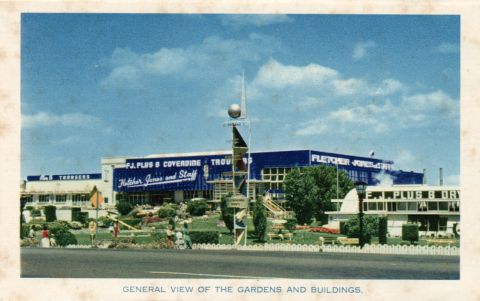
x=108, y=263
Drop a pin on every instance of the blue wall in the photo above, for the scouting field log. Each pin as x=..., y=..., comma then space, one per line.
x=192, y=172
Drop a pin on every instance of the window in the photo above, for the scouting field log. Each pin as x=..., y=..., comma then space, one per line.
x=79, y=199
x=391, y=206
x=432, y=206
x=61, y=198
x=380, y=206
x=372, y=206
x=43, y=198
x=412, y=206
x=443, y=206
x=401, y=206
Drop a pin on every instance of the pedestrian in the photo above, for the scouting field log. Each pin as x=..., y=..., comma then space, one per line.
x=179, y=242
x=170, y=235
x=31, y=234
x=92, y=229
x=45, y=239
x=186, y=236
x=115, y=230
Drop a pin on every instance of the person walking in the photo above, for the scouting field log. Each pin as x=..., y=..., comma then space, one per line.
x=92, y=229
x=186, y=236
x=115, y=230
x=45, y=239
x=31, y=234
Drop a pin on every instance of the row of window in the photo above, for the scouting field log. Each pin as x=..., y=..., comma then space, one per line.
x=59, y=198
x=421, y=206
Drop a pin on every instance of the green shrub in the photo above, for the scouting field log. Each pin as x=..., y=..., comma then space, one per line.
x=50, y=213
x=382, y=229
x=410, y=233
x=291, y=224
x=35, y=212
x=370, y=227
x=75, y=225
x=226, y=213
x=204, y=237
x=29, y=208
x=343, y=228
x=124, y=207
x=76, y=213
x=197, y=207
x=259, y=219
x=24, y=230
x=171, y=222
x=62, y=235
x=166, y=211
x=159, y=236
x=83, y=217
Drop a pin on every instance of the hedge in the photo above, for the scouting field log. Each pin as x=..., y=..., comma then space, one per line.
x=410, y=232
x=204, y=237
x=291, y=224
x=63, y=236
x=124, y=207
x=50, y=213
x=197, y=207
x=382, y=229
x=166, y=211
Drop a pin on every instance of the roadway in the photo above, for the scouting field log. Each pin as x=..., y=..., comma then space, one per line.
x=111, y=263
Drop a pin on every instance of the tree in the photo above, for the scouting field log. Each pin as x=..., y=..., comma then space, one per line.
x=197, y=207
x=370, y=227
x=124, y=207
x=309, y=191
x=260, y=219
x=300, y=192
x=227, y=213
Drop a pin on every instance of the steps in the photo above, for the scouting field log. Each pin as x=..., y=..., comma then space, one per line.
x=274, y=208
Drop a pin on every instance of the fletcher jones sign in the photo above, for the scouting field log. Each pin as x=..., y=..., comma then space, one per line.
x=351, y=161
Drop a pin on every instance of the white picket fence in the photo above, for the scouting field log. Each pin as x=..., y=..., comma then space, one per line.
x=367, y=249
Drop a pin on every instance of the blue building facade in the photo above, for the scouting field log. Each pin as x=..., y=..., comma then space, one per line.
x=210, y=174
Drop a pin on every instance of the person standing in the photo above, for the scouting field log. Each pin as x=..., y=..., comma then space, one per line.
x=45, y=239
x=115, y=230
x=92, y=229
x=31, y=234
x=186, y=236
x=170, y=235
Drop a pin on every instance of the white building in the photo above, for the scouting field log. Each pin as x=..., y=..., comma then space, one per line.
x=436, y=209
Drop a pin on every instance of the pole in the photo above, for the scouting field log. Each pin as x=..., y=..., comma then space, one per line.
x=337, y=184
x=360, y=219
x=96, y=216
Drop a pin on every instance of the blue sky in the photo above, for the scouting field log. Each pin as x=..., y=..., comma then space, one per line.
x=99, y=85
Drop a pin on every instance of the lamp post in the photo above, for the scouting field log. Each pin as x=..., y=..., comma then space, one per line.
x=360, y=186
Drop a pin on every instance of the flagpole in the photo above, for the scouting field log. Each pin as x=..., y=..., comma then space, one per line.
x=96, y=216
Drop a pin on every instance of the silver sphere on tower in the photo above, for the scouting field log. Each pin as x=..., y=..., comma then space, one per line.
x=234, y=111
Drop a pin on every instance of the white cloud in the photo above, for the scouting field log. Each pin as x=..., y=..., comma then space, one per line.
x=48, y=119
x=259, y=20
x=384, y=179
x=434, y=102
x=69, y=140
x=214, y=57
x=316, y=127
x=361, y=48
x=404, y=160
x=349, y=86
x=447, y=48
x=388, y=86
x=276, y=75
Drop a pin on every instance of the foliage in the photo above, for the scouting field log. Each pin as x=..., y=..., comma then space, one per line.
x=382, y=229
x=159, y=236
x=260, y=219
x=343, y=229
x=410, y=232
x=124, y=207
x=77, y=215
x=204, y=237
x=197, y=207
x=50, y=213
x=75, y=225
x=370, y=227
x=166, y=211
x=309, y=191
x=171, y=222
x=24, y=230
x=104, y=222
x=226, y=213
x=291, y=224
x=34, y=212
x=63, y=236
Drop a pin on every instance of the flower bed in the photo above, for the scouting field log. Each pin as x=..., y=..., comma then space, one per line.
x=325, y=230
